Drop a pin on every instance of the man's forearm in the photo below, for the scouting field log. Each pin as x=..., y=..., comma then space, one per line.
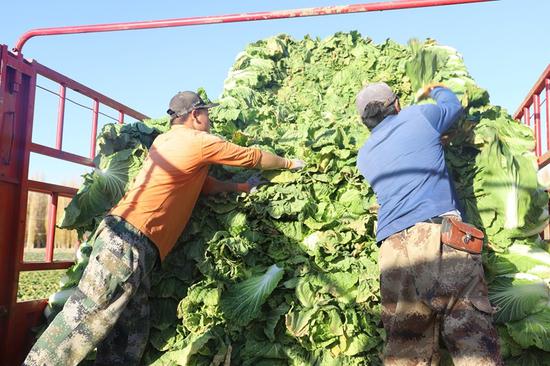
x=269, y=161
x=213, y=186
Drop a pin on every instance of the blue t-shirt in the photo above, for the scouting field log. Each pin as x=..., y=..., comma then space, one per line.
x=403, y=161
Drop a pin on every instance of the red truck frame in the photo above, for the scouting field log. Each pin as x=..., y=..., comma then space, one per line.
x=530, y=112
x=18, y=84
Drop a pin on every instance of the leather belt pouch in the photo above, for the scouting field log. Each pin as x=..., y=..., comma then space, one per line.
x=461, y=236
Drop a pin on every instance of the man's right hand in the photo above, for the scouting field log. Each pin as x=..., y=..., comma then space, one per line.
x=296, y=164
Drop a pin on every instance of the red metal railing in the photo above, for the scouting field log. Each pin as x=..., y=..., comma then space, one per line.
x=243, y=17
x=18, y=84
x=530, y=113
x=53, y=190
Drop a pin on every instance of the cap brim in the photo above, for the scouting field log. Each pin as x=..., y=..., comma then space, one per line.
x=207, y=106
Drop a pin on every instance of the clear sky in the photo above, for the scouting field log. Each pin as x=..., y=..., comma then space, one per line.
x=505, y=45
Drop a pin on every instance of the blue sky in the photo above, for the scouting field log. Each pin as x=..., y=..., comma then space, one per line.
x=505, y=45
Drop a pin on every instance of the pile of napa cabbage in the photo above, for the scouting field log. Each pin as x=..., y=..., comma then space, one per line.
x=288, y=274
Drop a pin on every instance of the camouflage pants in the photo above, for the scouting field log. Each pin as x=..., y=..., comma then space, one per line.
x=432, y=293
x=109, y=309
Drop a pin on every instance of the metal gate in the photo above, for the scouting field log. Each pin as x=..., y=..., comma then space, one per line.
x=18, y=83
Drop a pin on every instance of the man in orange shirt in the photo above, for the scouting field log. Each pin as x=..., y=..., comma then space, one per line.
x=109, y=309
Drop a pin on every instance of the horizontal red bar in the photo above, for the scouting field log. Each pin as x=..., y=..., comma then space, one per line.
x=544, y=160
x=81, y=88
x=43, y=266
x=31, y=305
x=63, y=155
x=4, y=178
x=242, y=17
x=44, y=187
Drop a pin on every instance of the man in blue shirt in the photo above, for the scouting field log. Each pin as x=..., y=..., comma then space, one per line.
x=429, y=291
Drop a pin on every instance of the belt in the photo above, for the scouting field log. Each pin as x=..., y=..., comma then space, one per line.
x=434, y=220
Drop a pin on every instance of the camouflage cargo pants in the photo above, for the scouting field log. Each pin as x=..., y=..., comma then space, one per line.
x=109, y=309
x=432, y=292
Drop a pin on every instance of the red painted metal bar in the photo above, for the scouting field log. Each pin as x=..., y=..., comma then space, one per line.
x=50, y=240
x=43, y=187
x=544, y=160
x=43, y=266
x=28, y=110
x=9, y=187
x=82, y=89
x=121, y=117
x=526, y=116
x=94, y=129
x=63, y=155
x=536, y=117
x=60, y=117
x=242, y=17
x=12, y=180
x=547, y=101
x=17, y=96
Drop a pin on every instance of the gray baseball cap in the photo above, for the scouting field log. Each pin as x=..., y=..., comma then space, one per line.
x=186, y=101
x=374, y=92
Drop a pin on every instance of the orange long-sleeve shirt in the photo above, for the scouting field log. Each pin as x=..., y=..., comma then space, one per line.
x=163, y=195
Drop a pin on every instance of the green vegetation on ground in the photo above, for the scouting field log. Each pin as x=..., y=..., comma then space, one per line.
x=34, y=285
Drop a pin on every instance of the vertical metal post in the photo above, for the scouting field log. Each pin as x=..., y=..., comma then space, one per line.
x=536, y=115
x=50, y=241
x=547, y=101
x=60, y=117
x=120, y=117
x=94, y=128
x=526, y=116
x=17, y=95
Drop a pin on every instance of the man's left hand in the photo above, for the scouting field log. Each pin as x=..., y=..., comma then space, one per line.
x=254, y=182
x=426, y=90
